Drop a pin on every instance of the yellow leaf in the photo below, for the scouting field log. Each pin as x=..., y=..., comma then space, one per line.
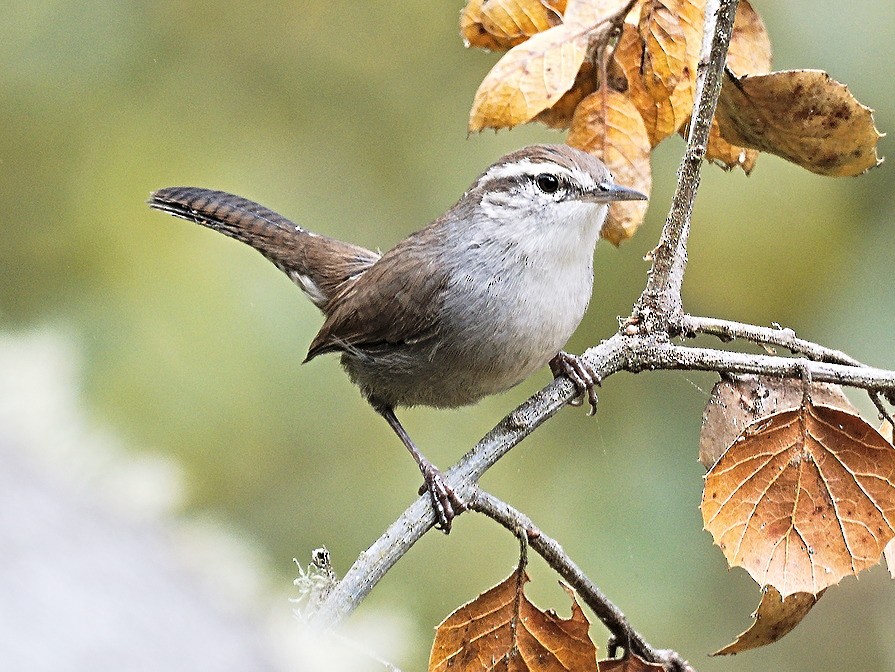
x=500, y=24
x=534, y=75
x=473, y=31
x=512, y=22
x=608, y=125
x=660, y=74
x=664, y=55
x=560, y=114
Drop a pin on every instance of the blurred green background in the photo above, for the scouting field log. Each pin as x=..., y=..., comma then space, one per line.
x=350, y=118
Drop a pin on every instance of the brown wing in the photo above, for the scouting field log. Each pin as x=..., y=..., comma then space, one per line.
x=396, y=301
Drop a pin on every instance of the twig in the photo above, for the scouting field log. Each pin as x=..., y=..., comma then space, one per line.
x=660, y=305
x=668, y=356
x=372, y=564
x=727, y=330
x=784, y=338
x=549, y=549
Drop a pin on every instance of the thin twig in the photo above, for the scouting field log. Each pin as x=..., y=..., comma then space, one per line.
x=668, y=356
x=623, y=633
x=610, y=615
x=727, y=330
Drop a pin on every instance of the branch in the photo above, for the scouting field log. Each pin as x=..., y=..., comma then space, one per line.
x=633, y=353
x=549, y=549
x=666, y=356
x=784, y=338
x=372, y=565
x=660, y=303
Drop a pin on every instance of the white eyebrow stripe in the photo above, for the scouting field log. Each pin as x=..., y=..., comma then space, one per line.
x=529, y=167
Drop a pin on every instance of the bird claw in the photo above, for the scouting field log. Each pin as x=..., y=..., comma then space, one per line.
x=582, y=375
x=445, y=502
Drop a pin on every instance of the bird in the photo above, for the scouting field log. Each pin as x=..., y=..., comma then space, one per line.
x=466, y=307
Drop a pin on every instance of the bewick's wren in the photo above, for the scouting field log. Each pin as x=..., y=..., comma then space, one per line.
x=466, y=307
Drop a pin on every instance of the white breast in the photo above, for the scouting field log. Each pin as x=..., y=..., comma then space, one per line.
x=527, y=312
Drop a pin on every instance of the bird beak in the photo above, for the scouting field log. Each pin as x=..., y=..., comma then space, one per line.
x=606, y=193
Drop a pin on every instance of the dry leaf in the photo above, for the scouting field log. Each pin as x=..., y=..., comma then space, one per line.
x=889, y=552
x=511, y=22
x=803, y=116
x=607, y=125
x=664, y=55
x=726, y=155
x=803, y=498
x=473, y=32
x=534, y=75
x=735, y=404
x=630, y=663
x=588, y=13
x=560, y=115
x=750, y=44
x=502, y=630
x=749, y=53
x=663, y=98
x=774, y=618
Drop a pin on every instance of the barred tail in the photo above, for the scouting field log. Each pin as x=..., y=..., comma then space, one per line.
x=320, y=266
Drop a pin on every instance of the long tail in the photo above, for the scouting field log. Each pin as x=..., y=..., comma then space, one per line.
x=322, y=267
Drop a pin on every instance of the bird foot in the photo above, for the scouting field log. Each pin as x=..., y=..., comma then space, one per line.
x=582, y=374
x=445, y=502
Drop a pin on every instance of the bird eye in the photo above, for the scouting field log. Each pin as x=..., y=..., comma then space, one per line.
x=547, y=183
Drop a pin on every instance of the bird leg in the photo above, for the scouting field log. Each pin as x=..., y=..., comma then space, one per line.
x=582, y=374
x=445, y=502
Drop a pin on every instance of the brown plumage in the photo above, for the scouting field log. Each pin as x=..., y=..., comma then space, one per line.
x=468, y=306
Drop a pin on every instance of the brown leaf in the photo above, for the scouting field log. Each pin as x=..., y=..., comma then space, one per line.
x=749, y=53
x=630, y=663
x=889, y=552
x=803, y=116
x=775, y=617
x=735, y=404
x=473, y=31
x=511, y=22
x=726, y=155
x=664, y=56
x=502, y=630
x=803, y=498
x=750, y=44
x=607, y=125
x=534, y=75
x=560, y=115
x=663, y=96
